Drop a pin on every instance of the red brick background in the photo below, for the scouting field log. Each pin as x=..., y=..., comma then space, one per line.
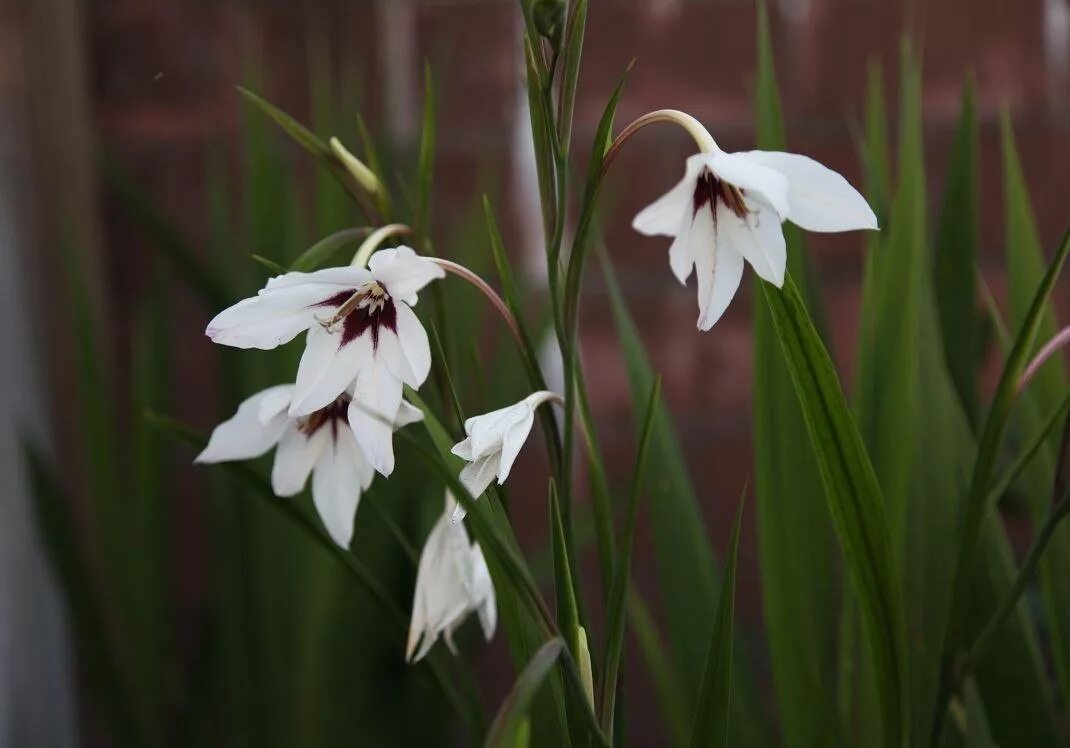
x=159, y=78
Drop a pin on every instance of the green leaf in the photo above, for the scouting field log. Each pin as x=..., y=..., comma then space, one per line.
x=312, y=144
x=956, y=259
x=854, y=499
x=272, y=266
x=570, y=65
x=801, y=579
x=425, y=170
x=325, y=249
x=507, y=725
x=1025, y=270
x=684, y=561
x=568, y=620
x=585, y=225
x=921, y=446
x=1006, y=393
x=710, y=725
x=615, y=611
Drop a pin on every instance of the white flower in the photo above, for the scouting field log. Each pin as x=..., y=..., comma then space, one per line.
x=321, y=443
x=728, y=208
x=362, y=336
x=452, y=581
x=494, y=440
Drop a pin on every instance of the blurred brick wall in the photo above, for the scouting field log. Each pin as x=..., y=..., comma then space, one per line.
x=161, y=78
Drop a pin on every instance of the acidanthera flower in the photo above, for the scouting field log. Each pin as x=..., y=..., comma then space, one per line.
x=494, y=440
x=452, y=581
x=728, y=208
x=321, y=443
x=363, y=336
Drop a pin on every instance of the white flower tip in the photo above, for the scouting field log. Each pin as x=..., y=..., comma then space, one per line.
x=458, y=514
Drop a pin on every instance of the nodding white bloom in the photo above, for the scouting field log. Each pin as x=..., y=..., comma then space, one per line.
x=321, y=443
x=452, y=582
x=494, y=440
x=362, y=336
x=729, y=208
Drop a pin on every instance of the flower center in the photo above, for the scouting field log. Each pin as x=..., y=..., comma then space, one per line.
x=709, y=189
x=369, y=307
x=330, y=416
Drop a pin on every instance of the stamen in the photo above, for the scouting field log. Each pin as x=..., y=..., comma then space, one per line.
x=371, y=296
x=709, y=189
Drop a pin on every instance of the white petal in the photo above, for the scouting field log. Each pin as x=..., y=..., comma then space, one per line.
x=327, y=369
x=484, y=593
x=246, y=435
x=681, y=259
x=819, y=199
x=718, y=268
x=739, y=170
x=403, y=272
x=488, y=430
x=759, y=238
x=477, y=476
x=294, y=459
x=463, y=449
x=337, y=482
x=252, y=323
x=513, y=441
x=407, y=414
x=285, y=306
x=414, y=345
x=376, y=399
x=343, y=277
x=276, y=400
x=663, y=216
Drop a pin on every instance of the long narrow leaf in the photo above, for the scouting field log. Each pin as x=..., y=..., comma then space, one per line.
x=710, y=725
x=801, y=579
x=506, y=726
x=853, y=496
x=615, y=613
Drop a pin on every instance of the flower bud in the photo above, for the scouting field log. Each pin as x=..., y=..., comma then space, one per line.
x=364, y=176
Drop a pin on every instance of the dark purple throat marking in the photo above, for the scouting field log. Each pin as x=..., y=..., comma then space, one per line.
x=710, y=189
x=360, y=310
x=335, y=413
